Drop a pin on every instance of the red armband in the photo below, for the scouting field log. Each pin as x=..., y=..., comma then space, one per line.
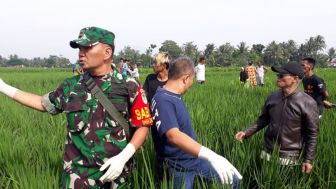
x=140, y=113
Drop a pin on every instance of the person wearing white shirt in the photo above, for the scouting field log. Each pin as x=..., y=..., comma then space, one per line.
x=200, y=71
x=134, y=72
x=261, y=70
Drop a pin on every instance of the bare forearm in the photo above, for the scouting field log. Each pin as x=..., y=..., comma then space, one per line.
x=139, y=137
x=184, y=142
x=325, y=95
x=30, y=100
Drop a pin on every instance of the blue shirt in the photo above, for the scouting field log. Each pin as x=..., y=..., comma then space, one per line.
x=169, y=111
x=124, y=69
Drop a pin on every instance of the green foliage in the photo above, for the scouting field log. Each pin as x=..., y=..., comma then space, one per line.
x=190, y=50
x=31, y=147
x=51, y=61
x=171, y=47
x=274, y=53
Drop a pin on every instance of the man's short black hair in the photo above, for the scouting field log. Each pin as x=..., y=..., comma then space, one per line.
x=201, y=59
x=180, y=67
x=310, y=60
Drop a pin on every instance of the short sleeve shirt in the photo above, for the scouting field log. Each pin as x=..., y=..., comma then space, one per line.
x=200, y=72
x=92, y=136
x=315, y=87
x=260, y=71
x=169, y=111
x=124, y=70
x=151, y=84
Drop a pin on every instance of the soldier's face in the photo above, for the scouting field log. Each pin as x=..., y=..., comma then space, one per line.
x=91, y=58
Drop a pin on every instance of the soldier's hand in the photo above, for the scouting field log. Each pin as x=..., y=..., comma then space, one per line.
x=7, y=89
x=116, y=164
x=2, y=83
x=240, y=136
x=306, y=167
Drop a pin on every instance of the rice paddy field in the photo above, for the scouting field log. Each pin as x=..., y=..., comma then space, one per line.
x=31, y=143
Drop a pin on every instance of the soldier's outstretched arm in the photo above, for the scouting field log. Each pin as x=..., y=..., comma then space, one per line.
x=27, y=99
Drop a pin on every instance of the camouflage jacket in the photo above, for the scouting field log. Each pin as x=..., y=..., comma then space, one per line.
x=92, y=136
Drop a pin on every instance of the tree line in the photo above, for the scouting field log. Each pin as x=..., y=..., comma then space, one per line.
x=275, y=53
x=51, y=61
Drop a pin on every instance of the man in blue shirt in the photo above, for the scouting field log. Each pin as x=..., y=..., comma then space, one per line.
x=185, y=157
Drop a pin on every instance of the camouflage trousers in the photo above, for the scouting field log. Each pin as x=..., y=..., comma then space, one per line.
x=88, y=178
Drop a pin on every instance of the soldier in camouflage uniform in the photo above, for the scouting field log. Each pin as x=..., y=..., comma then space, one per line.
x=94, y=142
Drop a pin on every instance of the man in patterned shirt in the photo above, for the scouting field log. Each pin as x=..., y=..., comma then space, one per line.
x=95, y=143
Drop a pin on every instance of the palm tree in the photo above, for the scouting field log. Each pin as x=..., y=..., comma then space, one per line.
x=274, y=54
x=331, y=54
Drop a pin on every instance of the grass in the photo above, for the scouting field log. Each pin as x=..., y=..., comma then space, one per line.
x=31, y=143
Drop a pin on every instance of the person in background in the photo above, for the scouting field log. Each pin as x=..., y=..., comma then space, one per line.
x=76, y=69
x=200, y=71
x=177, y=141
x=124, y=71
x=252, y=72
x=159, y=77
x=314, y=86
x=153, y=81
x=243, y=76
x=121, y=64
x=291, y=119
x=134, y=71
x=261, y=71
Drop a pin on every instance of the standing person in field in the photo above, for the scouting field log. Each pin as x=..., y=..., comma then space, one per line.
x=96, y=149
x=243, y=76
x=76, y=69
x=160, y=76
x=134, y=71
x=292, y=119
x=261, y=70
x=314, y=86
x=153, y=81
x=177, y=141
x=124, y=71
x=252, y=72
x=121, y=64
x=200, y=71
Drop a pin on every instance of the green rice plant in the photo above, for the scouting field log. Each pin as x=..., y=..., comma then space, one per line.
x=31, y=143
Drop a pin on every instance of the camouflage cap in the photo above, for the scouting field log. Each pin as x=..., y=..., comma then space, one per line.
x=90, y=36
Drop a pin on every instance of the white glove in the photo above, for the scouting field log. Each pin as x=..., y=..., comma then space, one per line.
x=7, y=89
x=117, y=163
x=223, y=167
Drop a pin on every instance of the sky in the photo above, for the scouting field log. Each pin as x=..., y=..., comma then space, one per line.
x=39, y=28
